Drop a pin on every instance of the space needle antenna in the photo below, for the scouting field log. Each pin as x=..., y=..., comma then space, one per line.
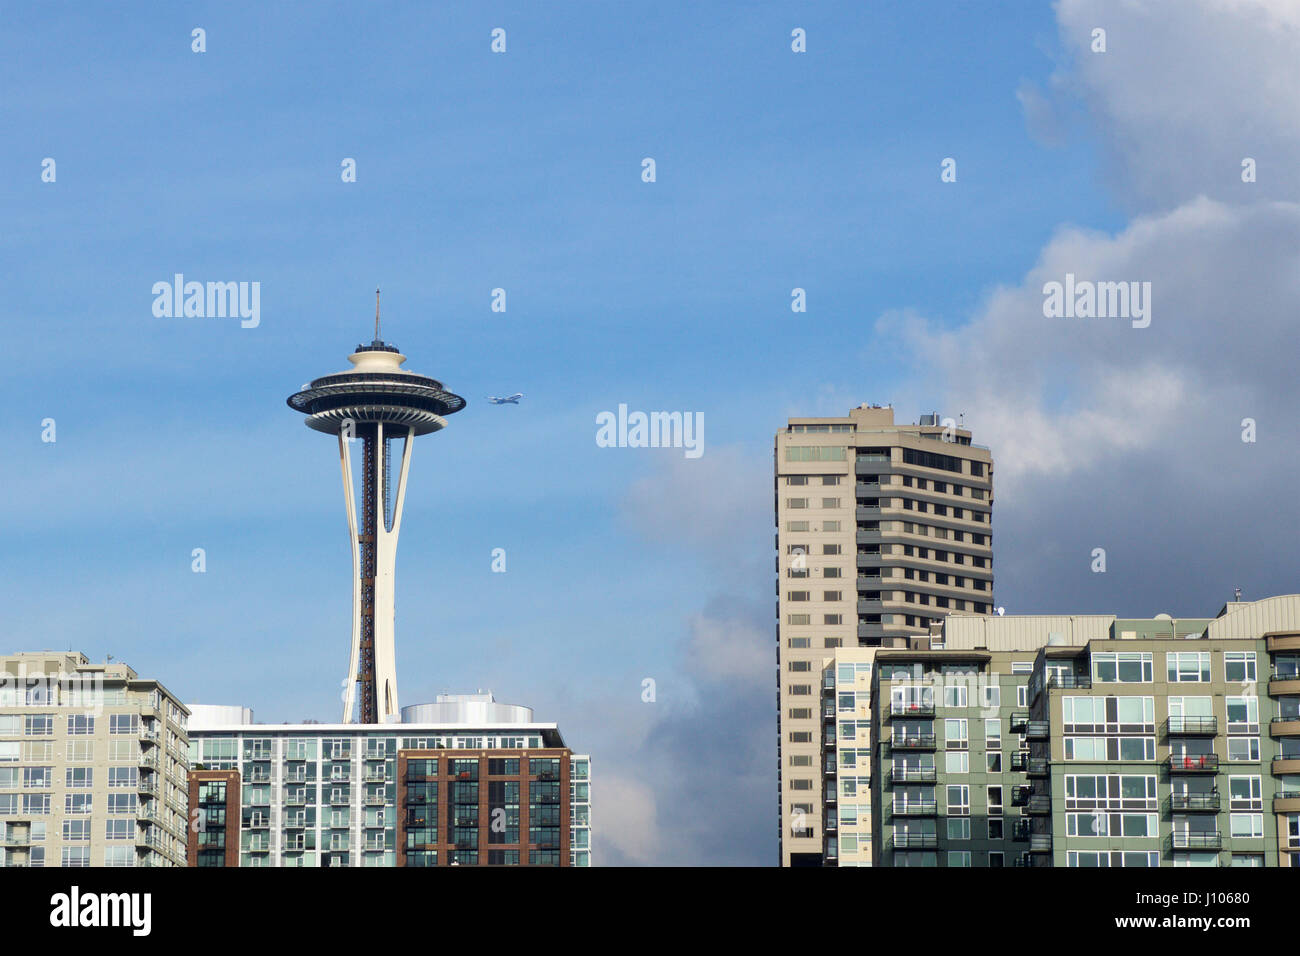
x=377, y=315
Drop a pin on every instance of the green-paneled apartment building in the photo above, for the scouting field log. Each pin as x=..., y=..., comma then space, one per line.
x=1069, y=740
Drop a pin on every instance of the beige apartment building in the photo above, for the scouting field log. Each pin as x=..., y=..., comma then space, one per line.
x=882, y=528
x=93, y=764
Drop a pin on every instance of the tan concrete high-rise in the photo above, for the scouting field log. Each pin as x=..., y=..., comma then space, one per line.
x=93, y=764
x=881, y=529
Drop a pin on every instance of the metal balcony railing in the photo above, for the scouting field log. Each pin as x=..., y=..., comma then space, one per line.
x=1192, y=726
x=1193, y=763
x=1194, y=802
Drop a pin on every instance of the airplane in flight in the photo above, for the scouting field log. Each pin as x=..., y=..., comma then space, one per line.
x=508, y=400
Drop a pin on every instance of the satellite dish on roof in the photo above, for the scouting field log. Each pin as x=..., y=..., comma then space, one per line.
x=1001, y=611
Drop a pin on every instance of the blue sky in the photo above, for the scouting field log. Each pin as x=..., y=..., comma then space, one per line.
x=476, y=171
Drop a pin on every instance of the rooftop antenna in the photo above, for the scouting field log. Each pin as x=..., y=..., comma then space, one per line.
x=1236, y=594
x=377, y=315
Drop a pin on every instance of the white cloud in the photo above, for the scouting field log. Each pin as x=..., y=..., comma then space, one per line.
x=1185, y=91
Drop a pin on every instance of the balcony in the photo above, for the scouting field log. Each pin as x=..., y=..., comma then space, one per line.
x=1194, y=802
x=911, y=709
x=915, y=808
x=147, y=786
x=1024, y=859
x=1284, y=727
x=1040, y=843
x=1019, y=718
x=375, y=800
x=1038, y=767
x=1039, y=805
x=912, y=775
x=147, y=760
x=1287, y=765
x=1038, y=730
x=915, y=841
x=1284, y=682
x=912, y=741
x=1194, y=763
x=1286, y=801
x=14, y=840
x=1069, y=681
x=1019, y=760
x=1182, y=840
x=1020, y=796
x=1282, y=642
x=1020, y=831
x=1192, y=726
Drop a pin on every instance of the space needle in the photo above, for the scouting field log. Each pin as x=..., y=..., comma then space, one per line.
x=376, y=402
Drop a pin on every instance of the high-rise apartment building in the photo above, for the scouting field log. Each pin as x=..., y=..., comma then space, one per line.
x=92, y=764
x=1073, y=741
x=465, y=781
x=882, y=529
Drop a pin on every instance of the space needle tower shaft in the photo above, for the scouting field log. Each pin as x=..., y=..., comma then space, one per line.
x=375, y=403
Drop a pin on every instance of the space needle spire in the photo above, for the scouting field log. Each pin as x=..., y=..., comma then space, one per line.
x=375, y=402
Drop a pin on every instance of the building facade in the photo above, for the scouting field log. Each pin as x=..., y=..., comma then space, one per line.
x=93, y=762
x=1074, y=741
x=463, y=781
x=882, y=529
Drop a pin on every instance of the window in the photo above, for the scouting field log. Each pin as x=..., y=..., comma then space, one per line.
x=124, y=724
x=76, y=830
x=992, y=695
x=955, y=733
x=833, y=619
x=83, y=751
x=122, y=803
x=1247, y=825
x=959, y=828
x=1110, y=748
x=38, y=725
x=1243, y=748
x=956, y=761
x=76, y=856
x=814, y=453
x=1245, y=793
x=830, y=502
x=993, y=800
x=830, y=595
x=1188, y=666
x=958, y=857
x=77, y=803
x=1239, y=667
x=1243, y=715
x=119, y=829
x=1022, y=695
x=955, y=695
x=1122, y=667
x=958, y=800
x=38, y=778
x=80, y=778
x=80, y=725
